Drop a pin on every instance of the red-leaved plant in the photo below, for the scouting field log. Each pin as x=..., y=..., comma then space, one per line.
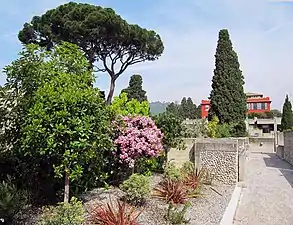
x=119, y=214
x=194, y=179
x=172, y=191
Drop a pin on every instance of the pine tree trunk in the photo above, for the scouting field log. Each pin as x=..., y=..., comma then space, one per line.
x=111, y=91
x=66, y=188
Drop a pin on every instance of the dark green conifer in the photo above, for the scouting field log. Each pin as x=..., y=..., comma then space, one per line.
x=228, y=100
x=287, y=116
x=134, y=89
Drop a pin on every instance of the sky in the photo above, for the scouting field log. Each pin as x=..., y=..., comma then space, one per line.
x=261, y=32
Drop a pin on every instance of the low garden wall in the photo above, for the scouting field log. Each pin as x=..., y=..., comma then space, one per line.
x=279, y=144
x=262, y=144
x=225, y=157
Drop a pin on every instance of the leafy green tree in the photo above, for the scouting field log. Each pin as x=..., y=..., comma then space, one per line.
x=258, y=115
x=102, y=34
x=122, y=106
x=134, y=90
x=228, y=100
x=3, y=109
x=186, y=110
x=174, y=109
x=25, y=76
x=287, y=116
x=275, y=113
x=171, y=127
x=69, y=123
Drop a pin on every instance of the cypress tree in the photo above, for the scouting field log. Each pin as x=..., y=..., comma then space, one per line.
x=193, y=111
x=228, y=100
x=134, y=89
x=184, y=108
x=287, y=116
x=190, y=109
x=173, y=109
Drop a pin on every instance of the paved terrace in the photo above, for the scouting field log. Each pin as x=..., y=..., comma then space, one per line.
x=268, y=198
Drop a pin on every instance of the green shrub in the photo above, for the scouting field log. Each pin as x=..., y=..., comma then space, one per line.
x=212, y=127
x=136, y=188
x=198, y=128
x=239, y=129
x=171, y=127
x=121, y=105
x=176, y=216
x=146, y=166
x=12, y=201
x=63, y=214
x=187, y=168
x=223, y=130
x=217, y=130
x=172, y=172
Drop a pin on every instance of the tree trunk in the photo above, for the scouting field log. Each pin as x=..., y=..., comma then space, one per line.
x=66, y=188
x=111, y=91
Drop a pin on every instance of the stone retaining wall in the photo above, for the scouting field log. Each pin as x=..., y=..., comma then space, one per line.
x=220, y=156
x=288, y=146
x=226, y=157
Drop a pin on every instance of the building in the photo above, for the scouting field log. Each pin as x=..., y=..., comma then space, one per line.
x=263, y=127
x=256, y=103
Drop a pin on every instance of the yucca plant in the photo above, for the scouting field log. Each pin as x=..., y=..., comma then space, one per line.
x=119, y=214
x=172, y=191
x=12, y=201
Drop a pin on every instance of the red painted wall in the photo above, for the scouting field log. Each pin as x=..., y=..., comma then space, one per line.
x=205, y=106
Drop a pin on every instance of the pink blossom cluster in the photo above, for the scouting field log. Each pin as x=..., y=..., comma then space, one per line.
x=139, y=137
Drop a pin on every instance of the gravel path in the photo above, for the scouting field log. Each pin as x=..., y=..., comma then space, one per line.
x=209, y=210
x=268, y=198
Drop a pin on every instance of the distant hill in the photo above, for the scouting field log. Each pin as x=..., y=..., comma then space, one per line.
x=158, y=107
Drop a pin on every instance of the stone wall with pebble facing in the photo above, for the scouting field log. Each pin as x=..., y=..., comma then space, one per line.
x=225, y=157
x=220, y=157
x=288, y=146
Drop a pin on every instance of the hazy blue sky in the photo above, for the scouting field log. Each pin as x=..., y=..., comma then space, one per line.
x=261, y=32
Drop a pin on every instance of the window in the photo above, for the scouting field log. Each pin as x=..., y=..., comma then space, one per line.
x=258, y=106
x=254, y=106
x=248, y=106
x=207, y=108
x=263, y=106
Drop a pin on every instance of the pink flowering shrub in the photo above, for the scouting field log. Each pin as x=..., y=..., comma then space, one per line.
x=138, y=137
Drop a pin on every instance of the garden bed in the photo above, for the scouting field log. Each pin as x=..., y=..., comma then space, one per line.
x=207, y=209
